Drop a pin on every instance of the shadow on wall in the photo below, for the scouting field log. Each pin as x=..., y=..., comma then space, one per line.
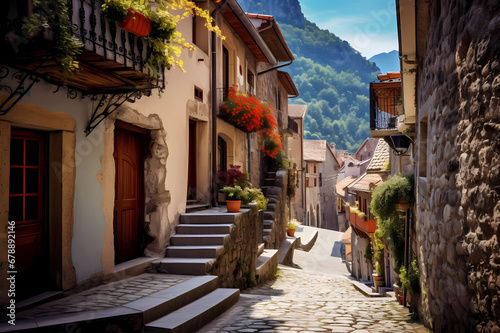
x=338, y=250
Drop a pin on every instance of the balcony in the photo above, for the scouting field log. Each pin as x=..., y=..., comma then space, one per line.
x=292, y=125
x=111, y=63
x=367, y=226
x=385, y=107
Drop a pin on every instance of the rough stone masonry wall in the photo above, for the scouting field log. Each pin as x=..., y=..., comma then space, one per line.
x=459, y=211
x=281, y=211
x=236, y=266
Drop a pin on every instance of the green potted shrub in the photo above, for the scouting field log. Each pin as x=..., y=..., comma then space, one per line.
x=233, y=198
x=378, y=257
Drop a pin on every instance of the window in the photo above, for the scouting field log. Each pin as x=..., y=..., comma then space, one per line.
x=315, y=182
x=307, y=181
x=225, y=70
x=198, y=93
x=200, y=33
x=320, y=179
x=315, y=169
x=250, y=82
x=422, y=148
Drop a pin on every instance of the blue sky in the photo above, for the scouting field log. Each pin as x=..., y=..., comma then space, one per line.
x=368, y=25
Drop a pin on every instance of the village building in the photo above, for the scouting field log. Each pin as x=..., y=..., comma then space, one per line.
x=114, y=156
x=321, y=179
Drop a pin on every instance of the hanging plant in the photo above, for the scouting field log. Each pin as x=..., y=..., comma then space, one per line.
x=270, y=142
x=389, y=221
x=246, y=112
x=54, y=15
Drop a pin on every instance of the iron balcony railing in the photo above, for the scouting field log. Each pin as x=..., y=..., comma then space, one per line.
x=384, y=107
x=98, y=34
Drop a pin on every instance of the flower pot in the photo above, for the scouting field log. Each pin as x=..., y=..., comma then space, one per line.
x=400, y=299
x=291, y=232
x=233, y=206
x=136, y=23
x=402, y=205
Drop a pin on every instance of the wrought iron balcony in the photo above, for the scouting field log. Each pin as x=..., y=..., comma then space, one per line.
x=384, y=105
x=292, y=125
x=112, y=62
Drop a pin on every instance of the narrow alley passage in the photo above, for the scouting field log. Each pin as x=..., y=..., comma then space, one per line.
x=314, y=297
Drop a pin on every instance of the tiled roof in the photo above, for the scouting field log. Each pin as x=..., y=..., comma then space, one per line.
x=346, y=237
x=315, y=150
x=380, y=157
x=344, y=183
x=297, y=111
x=366, y=182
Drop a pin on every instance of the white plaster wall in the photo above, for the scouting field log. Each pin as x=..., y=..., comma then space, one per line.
x=88, y=230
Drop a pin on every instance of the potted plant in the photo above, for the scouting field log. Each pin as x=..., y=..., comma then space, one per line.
x=291, y=227
x=132, y=16
x=233, y=198
x=53, y=15
x=378, y=257
x=390, y=222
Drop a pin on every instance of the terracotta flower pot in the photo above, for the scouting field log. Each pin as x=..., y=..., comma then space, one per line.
x=136, y=23
x=291, y=232
x=402, y=205
x=233, y=206
x=400, y=299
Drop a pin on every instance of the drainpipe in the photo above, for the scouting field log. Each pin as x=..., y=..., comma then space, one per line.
x=215, y=106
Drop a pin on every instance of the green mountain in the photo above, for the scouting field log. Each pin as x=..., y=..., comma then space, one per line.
x=387, y=62
x=331, y=76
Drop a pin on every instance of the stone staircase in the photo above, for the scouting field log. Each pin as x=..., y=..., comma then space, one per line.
x=198, y=240
x=272, y=193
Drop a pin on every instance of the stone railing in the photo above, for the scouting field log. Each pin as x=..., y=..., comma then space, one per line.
x=236, y=265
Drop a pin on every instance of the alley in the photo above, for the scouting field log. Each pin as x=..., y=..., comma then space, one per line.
x=304, y=300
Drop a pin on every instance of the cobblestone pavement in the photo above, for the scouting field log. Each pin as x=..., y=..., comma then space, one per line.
x=107, y=296
x=304, y=302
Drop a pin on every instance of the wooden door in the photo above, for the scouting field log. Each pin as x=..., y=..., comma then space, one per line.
x=192, y=161
x=128, y=216
x=27, y=199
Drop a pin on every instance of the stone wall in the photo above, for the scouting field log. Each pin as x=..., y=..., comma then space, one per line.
x=458, y=207
x=278, y=198
x=236, y=266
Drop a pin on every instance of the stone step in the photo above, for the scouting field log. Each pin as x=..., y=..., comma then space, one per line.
x=285, y=256
x=186, y=240
x=166, y=301
x=268, y=215
x=267, y=263
x=261, y=249
x=271, y=207
x=201, y=251
x=188, y=266
x=193, y=229
x=268, y=224
x=220, y=216
x=197, y=314
x=269, y=181
x=267, y=232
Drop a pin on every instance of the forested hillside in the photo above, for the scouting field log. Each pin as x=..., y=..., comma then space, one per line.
x=331, y=76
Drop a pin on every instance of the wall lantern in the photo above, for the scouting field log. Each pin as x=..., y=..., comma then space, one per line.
x=401, y=143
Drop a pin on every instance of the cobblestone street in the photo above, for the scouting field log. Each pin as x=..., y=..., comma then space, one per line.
x=303, y=302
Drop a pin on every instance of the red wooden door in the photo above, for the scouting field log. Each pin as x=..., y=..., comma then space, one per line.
x=127, y=212
x=27, y=198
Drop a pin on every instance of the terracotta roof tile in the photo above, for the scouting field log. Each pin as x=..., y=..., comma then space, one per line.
x=380, y=157
x=343, y=184
x=315, y=150
x=366, y=182
x=297, y=111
